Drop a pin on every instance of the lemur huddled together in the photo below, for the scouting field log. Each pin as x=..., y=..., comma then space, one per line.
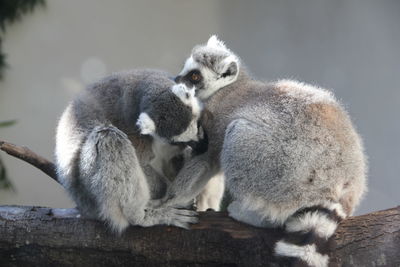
x=139, y=147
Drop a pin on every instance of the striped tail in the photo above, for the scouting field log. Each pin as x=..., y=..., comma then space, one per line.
x=307, y=242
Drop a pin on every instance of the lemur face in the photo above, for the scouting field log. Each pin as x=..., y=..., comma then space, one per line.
x=172, y=116
x=209, y=68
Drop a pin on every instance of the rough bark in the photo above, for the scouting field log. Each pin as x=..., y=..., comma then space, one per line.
x=31, y=236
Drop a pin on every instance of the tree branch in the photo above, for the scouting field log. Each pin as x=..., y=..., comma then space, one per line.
x=58, y=237
x=30, y=157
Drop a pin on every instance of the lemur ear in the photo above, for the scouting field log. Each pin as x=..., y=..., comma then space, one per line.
x=229, y=67
x=146, y=124
x=215, y=42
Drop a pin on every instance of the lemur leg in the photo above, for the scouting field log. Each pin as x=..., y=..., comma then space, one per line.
x=189, y=182
x=118, y=183
x=212, y=194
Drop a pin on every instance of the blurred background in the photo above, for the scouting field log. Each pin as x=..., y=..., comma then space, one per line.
x=349, y=46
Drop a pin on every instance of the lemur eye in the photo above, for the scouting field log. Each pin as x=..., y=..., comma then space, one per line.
x=195, y=76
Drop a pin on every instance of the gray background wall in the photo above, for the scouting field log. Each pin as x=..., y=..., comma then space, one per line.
x=351, y=47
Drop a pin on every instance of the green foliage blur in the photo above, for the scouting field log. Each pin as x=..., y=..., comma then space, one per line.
x=5, y=183
x=12, y=11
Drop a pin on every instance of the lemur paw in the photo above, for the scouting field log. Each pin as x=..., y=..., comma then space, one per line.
x=181, y=218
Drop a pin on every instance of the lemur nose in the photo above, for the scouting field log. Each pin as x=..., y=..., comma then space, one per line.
x=178, y=78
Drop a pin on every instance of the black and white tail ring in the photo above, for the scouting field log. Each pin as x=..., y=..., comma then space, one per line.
x=308, y=233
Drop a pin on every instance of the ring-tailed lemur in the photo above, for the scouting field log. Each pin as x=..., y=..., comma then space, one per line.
x=289, y=152
x=112, y=147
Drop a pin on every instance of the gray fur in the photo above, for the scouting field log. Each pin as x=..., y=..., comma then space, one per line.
x=283, y=146
x=103, y=160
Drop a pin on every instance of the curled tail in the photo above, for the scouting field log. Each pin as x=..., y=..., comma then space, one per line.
x=308, y=236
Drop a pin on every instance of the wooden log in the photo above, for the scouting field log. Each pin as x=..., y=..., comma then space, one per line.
x=32, y=236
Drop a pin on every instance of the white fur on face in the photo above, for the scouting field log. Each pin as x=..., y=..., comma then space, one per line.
x=306, y=253
x=213, y=82
x=190, y=134
x=210, y=86
x=146, y=124
x=186, y=95
x=212, y=78
x=190, y=64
